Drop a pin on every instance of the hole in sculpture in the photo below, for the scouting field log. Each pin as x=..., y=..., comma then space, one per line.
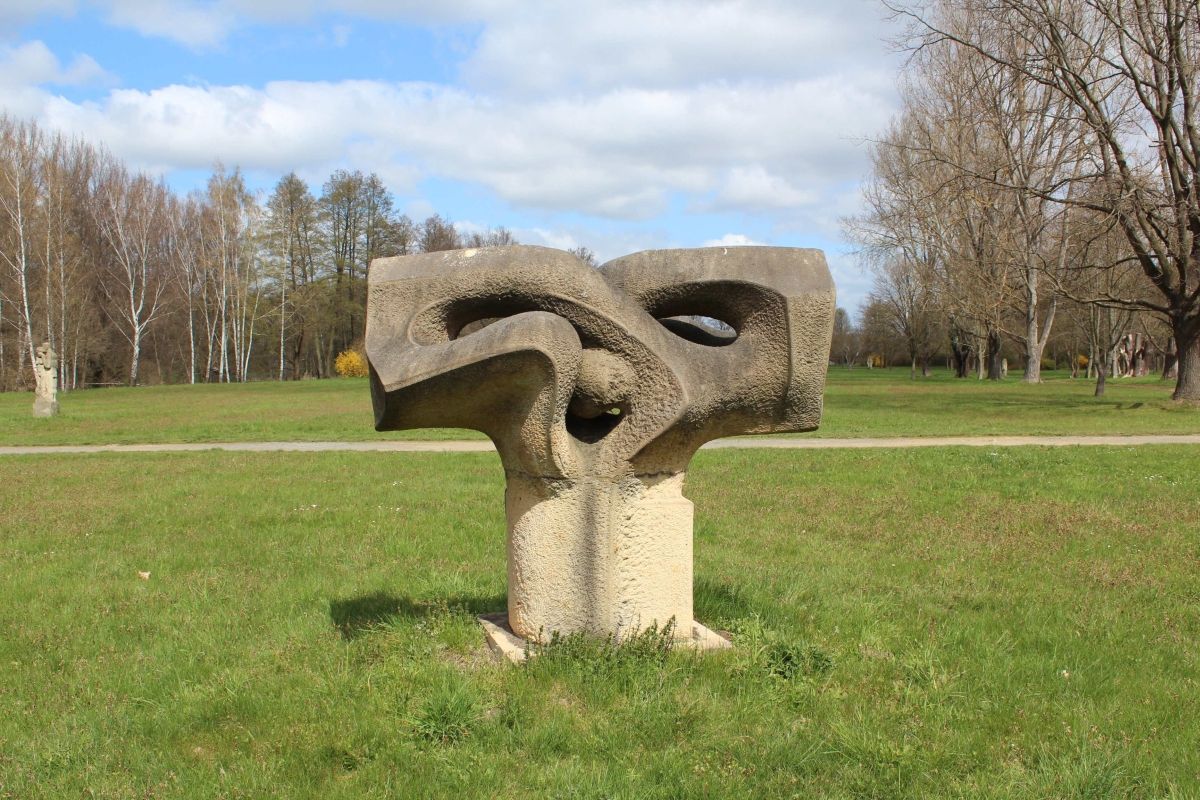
x=462, y=317
x=603, y=387
x=474, y=325
x=708, y=331
x=710, y=313
x=589, y=428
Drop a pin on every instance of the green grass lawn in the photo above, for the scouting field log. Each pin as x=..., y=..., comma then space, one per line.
x=909, y=623
x=858, y=402
x=326, y=410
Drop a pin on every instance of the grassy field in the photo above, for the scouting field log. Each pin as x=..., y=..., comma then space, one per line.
x=861, y=402
x=267, y=411
x=924, y=623
x=858, y=403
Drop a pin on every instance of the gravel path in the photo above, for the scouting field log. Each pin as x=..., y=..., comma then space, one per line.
x=482, y=446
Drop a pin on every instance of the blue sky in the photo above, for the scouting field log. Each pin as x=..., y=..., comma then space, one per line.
x=618, y=125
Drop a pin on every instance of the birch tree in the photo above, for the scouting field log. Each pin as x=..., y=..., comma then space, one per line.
x=21, y=155
x=233, y=285
x=131, y=211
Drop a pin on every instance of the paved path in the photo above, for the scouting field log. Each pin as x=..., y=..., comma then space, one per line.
x=484, y=446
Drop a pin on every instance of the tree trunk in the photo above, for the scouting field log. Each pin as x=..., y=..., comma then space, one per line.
x=191, y=342
x=135, y=356
x=961, y=365
x=282, y=327
x=1033, y=365
x=297, y=355
x=995, y=366
x=1187, y=383
x=1170, y=361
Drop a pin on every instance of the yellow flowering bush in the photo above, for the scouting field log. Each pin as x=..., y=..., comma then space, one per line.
x=351, y=364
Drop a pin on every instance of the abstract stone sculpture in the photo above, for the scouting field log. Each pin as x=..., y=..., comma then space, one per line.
x=597, y=386
x=45, y=377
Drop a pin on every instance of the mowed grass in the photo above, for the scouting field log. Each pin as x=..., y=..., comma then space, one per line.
x=908, y=623
x=858, y=403
x=861, y=402
x=266, y=411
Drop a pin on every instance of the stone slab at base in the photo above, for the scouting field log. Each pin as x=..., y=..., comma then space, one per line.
x=503, y=641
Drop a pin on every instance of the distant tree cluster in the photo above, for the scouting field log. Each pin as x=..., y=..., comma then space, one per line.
x=1040, y=191
x=132, y=283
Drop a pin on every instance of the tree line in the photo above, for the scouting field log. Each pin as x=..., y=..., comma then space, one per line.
x=1040, y=188
x=131, y=282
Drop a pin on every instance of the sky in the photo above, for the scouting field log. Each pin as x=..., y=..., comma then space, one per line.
x=619, y=125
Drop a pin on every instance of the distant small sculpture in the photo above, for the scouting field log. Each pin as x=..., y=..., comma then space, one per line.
x=45, y=374
x=597, y=387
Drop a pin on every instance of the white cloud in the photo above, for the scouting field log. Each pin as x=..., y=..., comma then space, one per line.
x=540, y=45
x=33, y=64
x=621, y=154
x=752, y=188
x=25, y=71
x=14, y=13
x=592, y=46
x=733, y=240
x=204, y=24
x=191, y=23
x=616, y=109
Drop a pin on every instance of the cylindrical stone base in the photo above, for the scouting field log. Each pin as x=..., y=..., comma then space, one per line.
x=601, y=556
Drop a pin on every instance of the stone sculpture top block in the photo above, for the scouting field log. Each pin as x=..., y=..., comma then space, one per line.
x=503, y=339
x=597, y=387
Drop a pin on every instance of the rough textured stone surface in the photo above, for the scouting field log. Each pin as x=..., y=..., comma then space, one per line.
x=597, y=387
x=45, y=371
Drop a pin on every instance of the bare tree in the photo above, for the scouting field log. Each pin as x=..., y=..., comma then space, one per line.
x=492, y=237
x=906, y=303
x=293, y=240
x=1126, y=71
x=96, y=258
x=67, y=170
x=20, y=188
x=901, y=235
x=438, y=233
x=585, y=255
x=971, y=128
x=232, y=223
x=132, y=217
x=847, y=344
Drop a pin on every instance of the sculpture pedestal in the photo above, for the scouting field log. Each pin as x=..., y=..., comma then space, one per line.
x=600, y=556
x=45, y=406
x=505, y=643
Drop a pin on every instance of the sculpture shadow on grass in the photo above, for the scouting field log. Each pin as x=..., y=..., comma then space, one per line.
x=354, y=616
x=721, y=603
